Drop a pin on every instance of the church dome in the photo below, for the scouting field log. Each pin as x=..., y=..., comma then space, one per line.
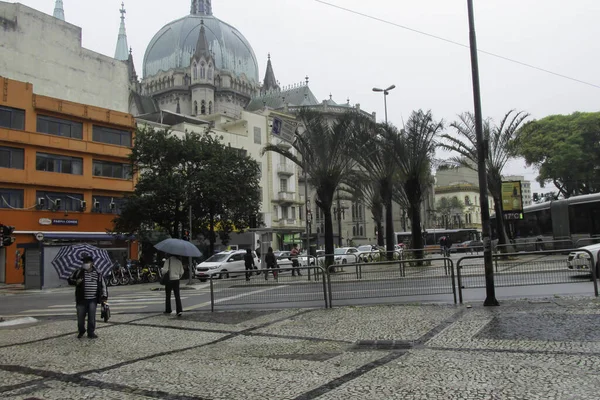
x=174, y=45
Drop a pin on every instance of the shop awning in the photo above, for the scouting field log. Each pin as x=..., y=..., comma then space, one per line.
x=86, y=236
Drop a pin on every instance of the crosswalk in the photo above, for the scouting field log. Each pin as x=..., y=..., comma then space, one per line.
x=122, y=303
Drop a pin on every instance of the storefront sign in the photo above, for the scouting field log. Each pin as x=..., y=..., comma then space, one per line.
x=65, y=222
x=45, y=221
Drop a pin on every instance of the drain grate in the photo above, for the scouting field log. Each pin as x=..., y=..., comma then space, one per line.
x=382, y=345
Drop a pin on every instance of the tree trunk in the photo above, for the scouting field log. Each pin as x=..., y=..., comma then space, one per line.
x=417, y=237
x=389, y=229
x=211, y=236
x=501, y=228
x=328, y=237
x=379, y=225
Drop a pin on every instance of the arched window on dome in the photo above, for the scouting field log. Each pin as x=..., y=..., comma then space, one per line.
x=195, y=108
x=202, y=71
x=210, y=110
x=203, y=108
x=195, y=71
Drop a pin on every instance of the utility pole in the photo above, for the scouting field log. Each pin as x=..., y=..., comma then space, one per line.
x=306, y=213
x=486, y=230
x=339, y=218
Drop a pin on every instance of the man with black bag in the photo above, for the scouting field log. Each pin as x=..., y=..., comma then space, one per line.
x=90, y=289
x=172, y=273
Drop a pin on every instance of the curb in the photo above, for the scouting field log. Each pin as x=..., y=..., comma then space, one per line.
x=17, y=321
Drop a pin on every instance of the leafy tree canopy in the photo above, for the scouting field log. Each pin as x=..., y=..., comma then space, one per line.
x=565, y=149
x=220, y=183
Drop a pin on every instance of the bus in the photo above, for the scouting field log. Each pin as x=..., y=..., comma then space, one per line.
x=432, y=237
x=576, y=218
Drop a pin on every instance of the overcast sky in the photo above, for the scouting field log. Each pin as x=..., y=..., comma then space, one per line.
x=347, y=55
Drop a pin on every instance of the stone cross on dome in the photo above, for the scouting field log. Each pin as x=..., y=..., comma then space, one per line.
x=201, y=7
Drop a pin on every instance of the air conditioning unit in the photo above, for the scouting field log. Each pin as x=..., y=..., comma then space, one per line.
x=112, y=205
x=41, y=202
x=96, y=205
x=83, y=205
x=57, y=203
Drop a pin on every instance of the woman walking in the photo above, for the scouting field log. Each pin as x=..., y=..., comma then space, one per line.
x=174, y=268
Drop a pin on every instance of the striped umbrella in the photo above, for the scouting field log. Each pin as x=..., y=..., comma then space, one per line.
x=68, y=259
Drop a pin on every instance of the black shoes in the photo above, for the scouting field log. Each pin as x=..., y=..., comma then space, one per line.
x=93, y=336
x=80, y=335
x=179, y=314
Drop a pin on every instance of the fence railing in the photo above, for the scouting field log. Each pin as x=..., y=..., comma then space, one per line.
x=404, y=276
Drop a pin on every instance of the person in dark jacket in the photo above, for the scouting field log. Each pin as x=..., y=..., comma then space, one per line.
x=249, y=263
x=271, y=262
x=90, y=289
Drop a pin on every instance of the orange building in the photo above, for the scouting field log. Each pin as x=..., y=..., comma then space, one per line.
x=63, y=174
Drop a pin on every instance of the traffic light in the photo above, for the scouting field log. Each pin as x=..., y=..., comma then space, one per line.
x=536, y=197
x=5, y=238
x=186, y=235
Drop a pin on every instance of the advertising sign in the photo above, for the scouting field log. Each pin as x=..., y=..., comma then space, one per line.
x=65, y=222
x=512, y=198
x=284, y=129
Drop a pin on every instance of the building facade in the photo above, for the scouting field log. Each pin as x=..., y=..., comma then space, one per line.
x=64, y=170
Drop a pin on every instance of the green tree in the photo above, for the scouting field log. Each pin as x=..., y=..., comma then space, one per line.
x=322, y=149
x=499, y=144
x=219, y=183
x=414, y=154
x=446, y=208
x=565, y=149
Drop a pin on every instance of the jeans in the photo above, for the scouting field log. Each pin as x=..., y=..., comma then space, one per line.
x=173, y=286
x=249, y=269
x=87, y=307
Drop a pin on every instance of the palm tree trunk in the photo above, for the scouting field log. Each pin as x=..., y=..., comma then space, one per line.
x=328, y=237
x=379, y=225
x=389, y=229
x=417, y=237
x=501, y=228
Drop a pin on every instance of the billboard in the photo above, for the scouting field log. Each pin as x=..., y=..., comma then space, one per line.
x=284, y=129
x=512, y=198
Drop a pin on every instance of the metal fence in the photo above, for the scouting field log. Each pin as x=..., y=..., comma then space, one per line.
x=404, y=276
x=273, y=286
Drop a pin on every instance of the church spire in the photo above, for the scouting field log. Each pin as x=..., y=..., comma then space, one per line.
x=270, y=83
x=59, y=12
x=202, y=44
x=201, y=7
x=121, y=52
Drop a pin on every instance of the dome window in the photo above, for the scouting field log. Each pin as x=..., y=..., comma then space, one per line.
x=203, y=108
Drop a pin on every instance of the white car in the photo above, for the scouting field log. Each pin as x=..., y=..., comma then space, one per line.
x=367, y=253
x=284, y=259
x=345, y=255
x=580, y=260
x=224, y=265
x=302, y=259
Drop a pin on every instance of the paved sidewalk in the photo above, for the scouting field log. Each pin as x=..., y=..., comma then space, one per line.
x=535, y=349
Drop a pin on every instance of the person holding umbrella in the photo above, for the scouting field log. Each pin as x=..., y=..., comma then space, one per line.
x=90, y=289
x=174, y=268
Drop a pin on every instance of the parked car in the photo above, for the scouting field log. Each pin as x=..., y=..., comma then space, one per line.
x=304, y=262
x=345, y=255
x=467, y=246
x=367, y=253
x=284, y=259
x=224, y=265
x=580, y=260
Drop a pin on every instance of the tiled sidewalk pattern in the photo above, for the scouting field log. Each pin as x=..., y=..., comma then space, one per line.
x=521, y=350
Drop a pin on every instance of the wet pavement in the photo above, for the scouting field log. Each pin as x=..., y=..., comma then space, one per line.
x=530, y=349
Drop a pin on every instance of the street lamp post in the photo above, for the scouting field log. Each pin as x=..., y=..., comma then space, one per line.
x=340, y=211
x=486, y=230
x=385, y=93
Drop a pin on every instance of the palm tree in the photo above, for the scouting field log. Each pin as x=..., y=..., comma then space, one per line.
x=365, y=190
x=414, y=152
x=499, y=142
x=375, y=154
x=322, y=150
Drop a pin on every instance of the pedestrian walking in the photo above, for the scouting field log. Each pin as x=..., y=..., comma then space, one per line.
x=174, y=268
x=295, y=265
x=271, y=262
x=257, y=249
x=249, y=263
x=90, y=289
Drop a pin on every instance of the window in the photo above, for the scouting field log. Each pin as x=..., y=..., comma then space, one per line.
x=195, y=71
x=11, y=198
x=61, y=164
x=59, y=127
x=202, y=71
x=467, y=201
x=111, y=136
x=354, y=231
x=293, y=213
x=283, y=185
x=210, y=110
x=12, y=118
x=195, y=108
x=66, y=201
x=284, y=212
x=361, y=231
x=107, y=204
x=11, y=157
x=301, y=213
x=111, y=169
x=210, y=71
x=203, y=107
x=257, y=135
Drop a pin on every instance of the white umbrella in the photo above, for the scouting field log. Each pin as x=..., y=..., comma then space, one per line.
x=178, y=247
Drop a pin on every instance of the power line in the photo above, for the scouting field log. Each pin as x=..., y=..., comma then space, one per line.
x=456, y=43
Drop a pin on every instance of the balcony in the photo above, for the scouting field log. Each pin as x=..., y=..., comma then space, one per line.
x=288, y=223
x=285, y=197
x=286, y=169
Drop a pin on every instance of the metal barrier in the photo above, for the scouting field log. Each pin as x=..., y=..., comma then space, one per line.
x=532, y=244
x=587, y=241
x=525, y=269
x=393, y=279
x=271, y=286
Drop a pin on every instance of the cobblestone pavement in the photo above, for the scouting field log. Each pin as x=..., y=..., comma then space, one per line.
x=536, y=349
